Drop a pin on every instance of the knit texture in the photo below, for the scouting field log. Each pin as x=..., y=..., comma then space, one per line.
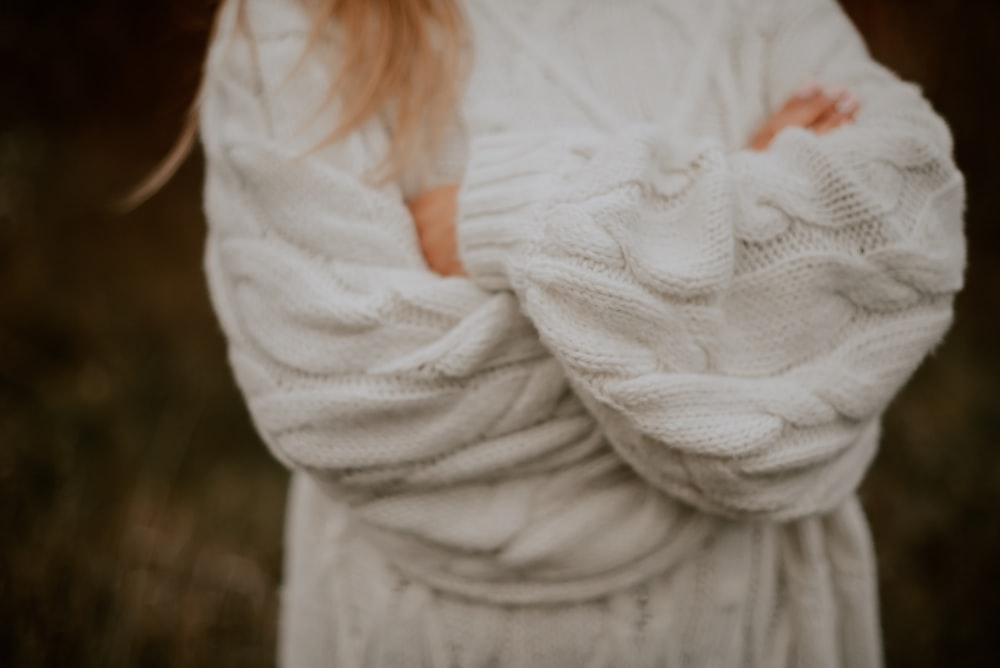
x=634, y=437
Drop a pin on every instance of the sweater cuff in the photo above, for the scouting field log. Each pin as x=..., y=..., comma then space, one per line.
x=508, y=177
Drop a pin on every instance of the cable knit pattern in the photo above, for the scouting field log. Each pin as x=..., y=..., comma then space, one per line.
x=775, y=328
x=634, y=437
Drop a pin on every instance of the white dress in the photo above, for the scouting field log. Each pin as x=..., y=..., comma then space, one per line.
x=633, y=436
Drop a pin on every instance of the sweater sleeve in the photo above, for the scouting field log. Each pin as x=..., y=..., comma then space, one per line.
x=358, y=363
x=738, y=321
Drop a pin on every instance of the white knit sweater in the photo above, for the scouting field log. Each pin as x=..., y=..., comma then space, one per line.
x=634, y=437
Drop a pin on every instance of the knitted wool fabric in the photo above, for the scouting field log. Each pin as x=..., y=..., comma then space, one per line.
x=634, y=437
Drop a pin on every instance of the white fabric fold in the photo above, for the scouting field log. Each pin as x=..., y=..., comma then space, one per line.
x=666, y=374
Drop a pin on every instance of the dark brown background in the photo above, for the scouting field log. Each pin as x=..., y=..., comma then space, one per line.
x=140, y=517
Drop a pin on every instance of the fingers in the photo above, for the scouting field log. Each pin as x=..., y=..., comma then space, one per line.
x=842, y=113
x=807, y=106
x=813, y=107
x=440, y=250
x=434, y=204
x=433, y=212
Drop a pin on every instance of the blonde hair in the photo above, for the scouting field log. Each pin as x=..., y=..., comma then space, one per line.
x=404, y=57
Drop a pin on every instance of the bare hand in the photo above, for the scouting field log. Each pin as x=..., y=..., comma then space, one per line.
x=811, y=107
x=434, y=212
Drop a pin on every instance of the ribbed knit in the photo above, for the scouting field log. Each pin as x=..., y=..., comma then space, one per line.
x=633, y=436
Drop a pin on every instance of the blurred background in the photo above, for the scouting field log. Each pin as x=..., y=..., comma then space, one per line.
x=140, y=516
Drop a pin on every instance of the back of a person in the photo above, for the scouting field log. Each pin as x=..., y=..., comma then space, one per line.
x=594, y=386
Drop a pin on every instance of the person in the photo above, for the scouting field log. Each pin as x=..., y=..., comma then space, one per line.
x=574, y=320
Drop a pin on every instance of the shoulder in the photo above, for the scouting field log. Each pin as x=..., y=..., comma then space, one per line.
x=262, y=62
x=242, y=27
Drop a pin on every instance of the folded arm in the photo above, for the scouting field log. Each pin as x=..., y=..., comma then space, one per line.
x=357, y=362
x=737, y=321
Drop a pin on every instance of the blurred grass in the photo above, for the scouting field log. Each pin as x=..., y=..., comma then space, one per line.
x=140, y=517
